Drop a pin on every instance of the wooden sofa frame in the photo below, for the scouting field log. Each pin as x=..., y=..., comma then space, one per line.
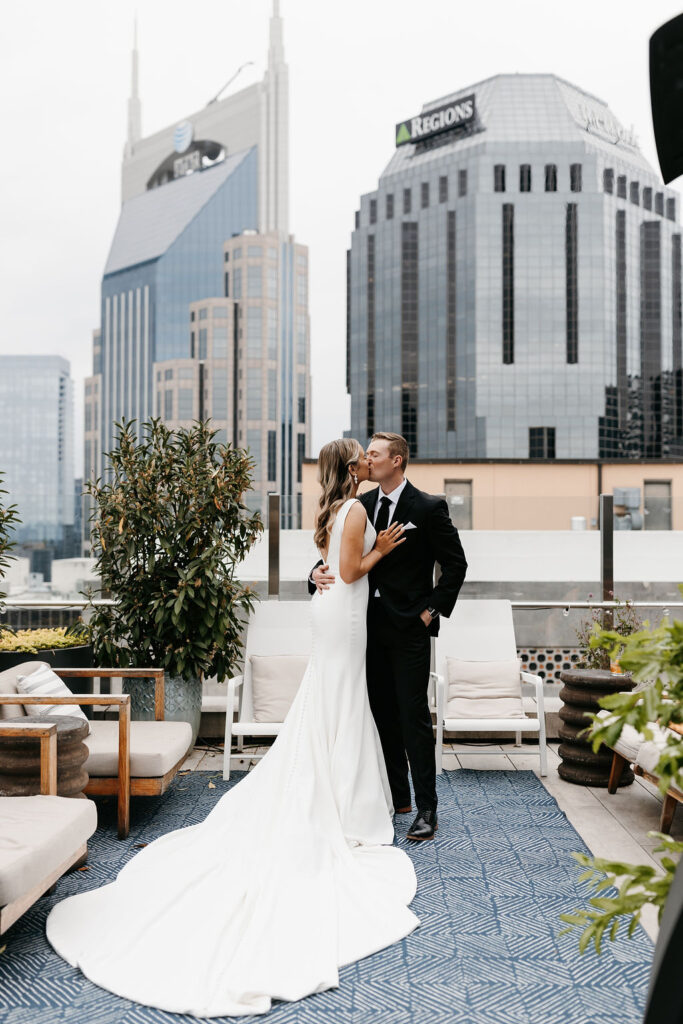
x=122, y=785
x=47, y=734
x=671, y=798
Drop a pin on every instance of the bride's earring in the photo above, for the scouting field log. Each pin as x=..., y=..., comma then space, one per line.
x=355, y=478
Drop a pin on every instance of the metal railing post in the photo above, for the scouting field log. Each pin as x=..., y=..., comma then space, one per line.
x=607, y=556
x=273, y=545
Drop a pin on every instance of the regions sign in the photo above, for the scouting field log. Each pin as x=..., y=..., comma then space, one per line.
x=434, y=122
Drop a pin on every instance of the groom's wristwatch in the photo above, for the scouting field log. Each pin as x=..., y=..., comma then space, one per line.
x=433, y=612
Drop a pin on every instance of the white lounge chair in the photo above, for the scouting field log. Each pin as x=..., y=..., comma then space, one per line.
x=481, y=632
x=276, y=629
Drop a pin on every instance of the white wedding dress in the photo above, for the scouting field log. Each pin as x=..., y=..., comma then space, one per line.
x=289, y=877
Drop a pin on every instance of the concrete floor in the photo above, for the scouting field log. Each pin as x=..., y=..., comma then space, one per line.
x=615, y=827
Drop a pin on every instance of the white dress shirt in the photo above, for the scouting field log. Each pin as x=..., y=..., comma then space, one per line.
x=393, y=497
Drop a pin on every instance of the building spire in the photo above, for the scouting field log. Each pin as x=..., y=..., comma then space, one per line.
x=276, y=49
x=134, y=106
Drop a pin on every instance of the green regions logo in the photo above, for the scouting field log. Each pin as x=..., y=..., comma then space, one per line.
x=451, y=115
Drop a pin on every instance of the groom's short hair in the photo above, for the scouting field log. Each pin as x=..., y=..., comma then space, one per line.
x=397, y=446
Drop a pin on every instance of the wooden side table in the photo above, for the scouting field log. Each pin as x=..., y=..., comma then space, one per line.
x=20, y=759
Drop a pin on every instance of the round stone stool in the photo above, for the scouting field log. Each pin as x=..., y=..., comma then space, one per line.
x=20, y=759
x=582, y=690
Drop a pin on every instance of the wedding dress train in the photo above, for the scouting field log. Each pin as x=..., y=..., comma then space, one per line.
x=289, y=877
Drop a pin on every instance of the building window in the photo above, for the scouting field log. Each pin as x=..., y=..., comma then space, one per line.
x=226, y=285
x=254, y=330
x=373, y=211
x=271, y=324
x=237, y=283
x=571, y=284
x=219, y=312
x=659, y=203
x=370, y=402
x=202, y=343
x=254, y=395
x=508, y=283
x=424, y=194
x=608, y=180
x=168, y=405
x=192, y=315
x=409, y=333
x=254, y=252
x=271, y=282
x=676, y=300
x=219, y=342
x=525, y=178
x=443, y=189
x=226, y=257
x=621, y=323
x=357, y=219
x=272, y=455
x=254, y=282
x=237, y=254
x=191, y=344
x=301, y=397
x=621, y=186
x=451, y=375
x=541, y=442
x=185, y=404
x=300, y=455
x=203, y=313
x=671, y=209
x=168, y=374
x=634, y=193
x=551, y=177
x=301, y=289
x=651, y=338
x=575, y=177
x=462, y=183
x=407, y=200
x=390, y=206
x=499, y=178
x=647, y=198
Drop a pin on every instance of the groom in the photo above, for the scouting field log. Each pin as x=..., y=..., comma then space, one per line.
x=403, y=612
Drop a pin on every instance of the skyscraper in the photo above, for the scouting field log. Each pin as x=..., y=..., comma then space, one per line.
x=187, y=191
x=36, y=427
x=514, y=283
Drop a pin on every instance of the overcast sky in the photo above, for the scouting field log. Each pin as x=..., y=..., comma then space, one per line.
x=355, y=70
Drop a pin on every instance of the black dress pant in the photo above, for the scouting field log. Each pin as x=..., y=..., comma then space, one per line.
x=398, y=660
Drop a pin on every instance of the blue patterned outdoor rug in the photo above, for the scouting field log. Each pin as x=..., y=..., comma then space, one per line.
x=490, y=892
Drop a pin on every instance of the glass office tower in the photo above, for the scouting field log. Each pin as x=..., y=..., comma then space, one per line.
x=37, y=460
x=514, y=283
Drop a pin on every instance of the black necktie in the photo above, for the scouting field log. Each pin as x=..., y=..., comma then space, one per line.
x=382, y=520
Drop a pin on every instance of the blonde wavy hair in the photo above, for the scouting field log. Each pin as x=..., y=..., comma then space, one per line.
x=337, y=487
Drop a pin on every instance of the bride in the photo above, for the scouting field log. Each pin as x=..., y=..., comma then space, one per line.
x=292, y=874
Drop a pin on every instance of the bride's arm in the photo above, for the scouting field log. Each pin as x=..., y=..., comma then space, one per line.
x=352, y=563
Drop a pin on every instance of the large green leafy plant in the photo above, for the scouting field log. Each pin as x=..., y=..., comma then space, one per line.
x=9, y=518
x=169, y=529
x=654, y=656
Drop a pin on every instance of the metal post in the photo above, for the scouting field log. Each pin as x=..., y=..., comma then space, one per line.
x=273, y=545
x=607, y=556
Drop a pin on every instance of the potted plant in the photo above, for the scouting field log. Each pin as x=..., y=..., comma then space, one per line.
x=9, y=518
x=169, y=529
x=655, y=659
x=624, y=620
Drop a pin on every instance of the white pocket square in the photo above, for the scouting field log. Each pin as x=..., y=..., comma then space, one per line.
x=409, y=526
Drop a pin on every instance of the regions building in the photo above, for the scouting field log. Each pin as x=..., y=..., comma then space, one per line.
x=200, y=198
x=36, y=427
x=514, y=283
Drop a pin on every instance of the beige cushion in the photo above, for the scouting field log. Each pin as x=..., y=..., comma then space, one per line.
x=275, y=679
x=155, y=747
x=37, y=834
x=8, y=687
x=484, y=689
x=42, y=681
x=651, y=750
x=630, y=740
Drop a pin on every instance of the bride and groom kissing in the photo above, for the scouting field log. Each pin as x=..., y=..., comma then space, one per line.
x=294, y=870
x=403, y=610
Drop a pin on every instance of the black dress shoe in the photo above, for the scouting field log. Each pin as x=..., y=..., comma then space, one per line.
x=424, y=826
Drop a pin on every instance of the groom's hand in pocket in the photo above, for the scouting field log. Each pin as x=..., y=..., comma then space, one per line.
x=426, y=618
x=322, y=577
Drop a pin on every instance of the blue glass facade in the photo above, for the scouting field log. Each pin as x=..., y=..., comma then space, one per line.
x=180, y=227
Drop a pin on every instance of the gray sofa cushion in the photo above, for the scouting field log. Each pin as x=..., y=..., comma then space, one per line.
x=37, y=834
x=8, y=686
x=155, y=747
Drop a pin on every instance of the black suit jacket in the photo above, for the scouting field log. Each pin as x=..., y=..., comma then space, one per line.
x=405, y=577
